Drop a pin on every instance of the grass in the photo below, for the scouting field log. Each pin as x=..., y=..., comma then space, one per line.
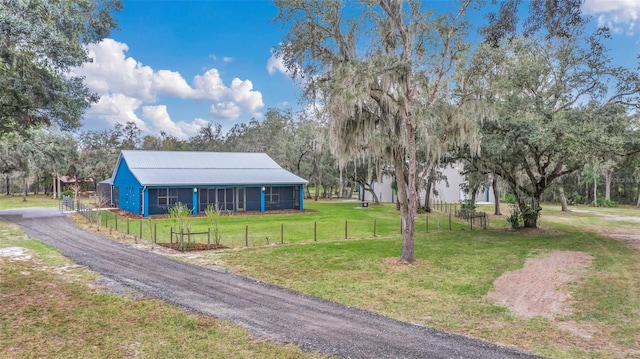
x=16, y=201
x=446, y=287
x=325, y=220
x=49, y=311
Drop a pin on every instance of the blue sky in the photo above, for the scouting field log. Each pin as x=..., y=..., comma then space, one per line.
x=174, y=65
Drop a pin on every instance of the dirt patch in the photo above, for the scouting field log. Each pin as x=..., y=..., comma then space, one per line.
x=399, y=263
x=15, y=253
x=539, y=289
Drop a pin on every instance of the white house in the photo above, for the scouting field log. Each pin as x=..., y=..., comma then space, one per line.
x=441, y=192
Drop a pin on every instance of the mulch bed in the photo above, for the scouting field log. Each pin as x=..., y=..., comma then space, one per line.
x=188, y=247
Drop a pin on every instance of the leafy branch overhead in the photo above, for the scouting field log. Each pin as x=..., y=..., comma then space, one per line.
x=41, y=41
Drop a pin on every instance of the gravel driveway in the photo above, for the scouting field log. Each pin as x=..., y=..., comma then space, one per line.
x=265, y=310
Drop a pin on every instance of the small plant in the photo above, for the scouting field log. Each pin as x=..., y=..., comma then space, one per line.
x=515, y=218
x=67, y=193
x=213, y=213
x=179, y=215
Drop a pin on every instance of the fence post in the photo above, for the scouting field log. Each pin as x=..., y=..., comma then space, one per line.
x=374, y=227
x=471, y=221
x=182, y=240
x=155, y=232
x=246, y=236
x=209, y=238
x=315, y=231
x=127, y=225
x=449, y=220
x=171, y=236
x=345, y=228
x=281, y=233
x=426, y=224
x=140, y=229
x=116, y=219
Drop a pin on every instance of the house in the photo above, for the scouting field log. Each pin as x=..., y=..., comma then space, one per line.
x=150, y=182
x=70, y=183
x=446, y=191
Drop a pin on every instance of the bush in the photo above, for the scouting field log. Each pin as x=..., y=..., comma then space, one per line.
x=467, y=205
x=606, y=203
x=67, y=193
x=515, y=218
x=510, y=198
x=574, y=198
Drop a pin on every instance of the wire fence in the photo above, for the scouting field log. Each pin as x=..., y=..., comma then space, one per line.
x=242, y=231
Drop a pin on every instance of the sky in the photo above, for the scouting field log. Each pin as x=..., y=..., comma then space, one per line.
x=174, y=65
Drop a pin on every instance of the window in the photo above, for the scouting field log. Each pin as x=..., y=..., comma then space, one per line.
x=167, y=197
x=272, y=195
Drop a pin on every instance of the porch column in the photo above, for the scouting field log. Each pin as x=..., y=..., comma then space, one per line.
x=301, y=197
x=145, y=202
x=262, y=204
x=195, y=201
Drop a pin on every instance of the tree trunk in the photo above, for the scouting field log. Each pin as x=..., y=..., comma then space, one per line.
x=26, y=188
x=531, y=219
x=607, y=183
x=374, y=196
x=494, y=186
x=563, y=200
x=6, y=178
x=595, y=191
x=427, y=195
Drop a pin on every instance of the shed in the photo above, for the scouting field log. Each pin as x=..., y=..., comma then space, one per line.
x=105, y=191
x=150, y=182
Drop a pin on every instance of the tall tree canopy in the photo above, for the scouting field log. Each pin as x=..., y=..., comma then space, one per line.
x=382, y=70
x=40, y=42
x=555, y=106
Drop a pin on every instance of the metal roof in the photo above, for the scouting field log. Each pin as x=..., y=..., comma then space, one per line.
x=188, y=168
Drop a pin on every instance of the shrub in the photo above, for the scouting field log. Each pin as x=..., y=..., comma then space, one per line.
x=515, y=218
x=510, y=198
x=574, y=198
x=606, y=203
x=67, y=193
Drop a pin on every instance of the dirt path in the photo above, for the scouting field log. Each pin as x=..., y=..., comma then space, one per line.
x=538, y=289
x=266, y=310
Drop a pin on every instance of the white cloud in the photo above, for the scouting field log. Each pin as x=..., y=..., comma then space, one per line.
x=276, y=64
x=228, y=110
x=619, y=15
x=116, y=108
x=127, y=88
x=160, y=120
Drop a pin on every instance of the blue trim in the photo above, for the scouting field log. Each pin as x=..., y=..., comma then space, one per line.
x=301, y=195
x=145, y=197
x=195, y=201
x=262, y=200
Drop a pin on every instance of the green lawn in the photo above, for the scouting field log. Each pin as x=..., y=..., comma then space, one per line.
x=16, y=201
x=324, y=220
x=455, y=269
x=445, y=289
